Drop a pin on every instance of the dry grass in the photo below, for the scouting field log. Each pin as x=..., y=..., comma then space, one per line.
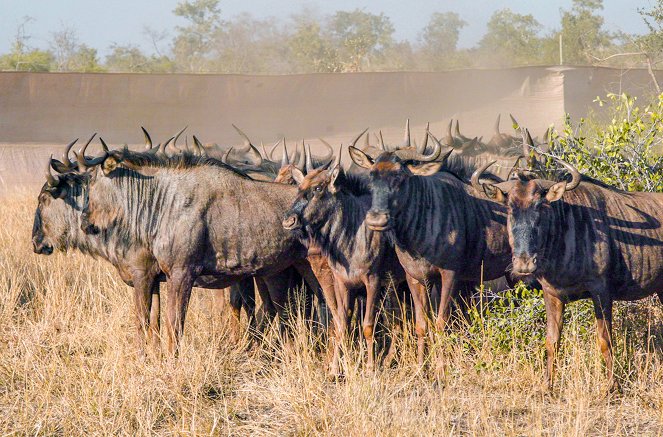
x=68, y=365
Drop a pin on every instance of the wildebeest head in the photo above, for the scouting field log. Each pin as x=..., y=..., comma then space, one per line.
x=60, y=205
x=312, y=204
x=387, y=174
x=528, y=202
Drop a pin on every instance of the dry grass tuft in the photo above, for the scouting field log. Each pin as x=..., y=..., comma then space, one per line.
x=68, y=365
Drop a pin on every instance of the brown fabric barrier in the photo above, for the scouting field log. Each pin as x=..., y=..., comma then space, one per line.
x=54, y=108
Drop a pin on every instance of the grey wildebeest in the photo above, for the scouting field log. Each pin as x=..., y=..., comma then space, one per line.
x=444, y=234
x=199, y=217
x=583, y=239
x=329, y=214
x=59, y=222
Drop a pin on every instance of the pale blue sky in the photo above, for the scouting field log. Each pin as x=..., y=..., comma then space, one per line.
x=101, y=23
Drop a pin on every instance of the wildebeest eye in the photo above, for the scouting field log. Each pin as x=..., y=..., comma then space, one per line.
x=318, y=189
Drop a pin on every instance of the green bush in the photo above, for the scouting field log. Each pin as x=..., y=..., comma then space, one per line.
x=624, y=153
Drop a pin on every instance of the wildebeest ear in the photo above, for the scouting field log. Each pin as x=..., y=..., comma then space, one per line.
x=332, y=178
x=426, y=168
x=109, y=165
x=494, y=193
x=556, y=191
x=297, y=175
x=360, y=158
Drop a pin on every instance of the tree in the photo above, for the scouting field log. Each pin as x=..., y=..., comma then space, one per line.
x=582, y=36
x=127, y=58
x=440, y=39
x=72, y=56
x=311, y=49
x=22, y=57
x=361, y=37
x=511, y=39
x=195, y=41
x=249, y=45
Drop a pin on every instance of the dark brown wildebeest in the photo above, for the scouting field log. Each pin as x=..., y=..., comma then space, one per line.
x=58, y=224
x=583, y=239
x=198, y=216
x=441, y=229
x=329, y=214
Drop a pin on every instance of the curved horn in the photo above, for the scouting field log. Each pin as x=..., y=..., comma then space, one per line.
x=406, y=134
x=271, y=150
x=247, y=140
x=576, y=177
x=65, y=155
x=422, y=149
x=50, y=179
x=449, y=139
x=163, y=147
x=477, y=174
x=337, y=158
x=412, y=155
x=84, y=148
x=330, y=147
x=285, y=160
x=457, y=130
x=309, y=164
x=80, y=159
x=104, y=145
x=514, y=122
x=198, y=147
x=354, y=142
x=224, y=158
x=330, y=152
x=301, y=158
x=381, y=142
x=496, y=128
x=366, y=140
x=177, y=135
x=148, y=140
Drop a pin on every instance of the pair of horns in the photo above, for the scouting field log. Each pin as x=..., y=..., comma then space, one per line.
x=507, y=185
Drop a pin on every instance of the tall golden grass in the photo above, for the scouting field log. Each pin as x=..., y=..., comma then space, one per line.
x=69, y=366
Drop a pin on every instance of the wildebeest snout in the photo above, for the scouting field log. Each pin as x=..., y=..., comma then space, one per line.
x=378, y=220
x=524, y=264
x=291, y=222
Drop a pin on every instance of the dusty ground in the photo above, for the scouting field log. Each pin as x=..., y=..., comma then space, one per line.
x=68, y=365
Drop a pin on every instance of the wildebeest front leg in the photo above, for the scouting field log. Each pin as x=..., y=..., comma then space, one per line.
x=420, y=299
x=345, y=301
x=179, y=282
x=372, y=295
x=554, y=313
x=143, y=285
x=603, y=312
x=446, y=294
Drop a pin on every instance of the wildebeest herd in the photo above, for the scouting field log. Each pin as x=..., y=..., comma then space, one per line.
x=421, y=218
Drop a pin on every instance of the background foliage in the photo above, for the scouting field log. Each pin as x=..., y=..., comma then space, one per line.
x=346, y=41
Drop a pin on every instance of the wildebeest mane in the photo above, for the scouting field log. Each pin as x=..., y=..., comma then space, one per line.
x=180, y=161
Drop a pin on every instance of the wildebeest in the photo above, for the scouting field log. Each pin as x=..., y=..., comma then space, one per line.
x=583, y=239
x=442, y=231
x=59, y=222
x=199, y=217
x=329, y=214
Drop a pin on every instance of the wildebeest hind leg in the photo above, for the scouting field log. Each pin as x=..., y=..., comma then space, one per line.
x=446, y=294
x=420, y=299
x=554, y=313
x=603, y=311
